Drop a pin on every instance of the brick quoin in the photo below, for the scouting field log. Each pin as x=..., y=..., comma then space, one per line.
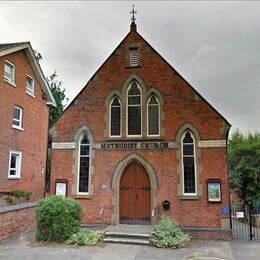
x=182, y=105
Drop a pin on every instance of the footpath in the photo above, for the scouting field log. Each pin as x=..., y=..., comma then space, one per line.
x=25, y=247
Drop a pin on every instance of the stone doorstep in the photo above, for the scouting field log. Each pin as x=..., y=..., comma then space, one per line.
x=124, y=240
x=124, y=235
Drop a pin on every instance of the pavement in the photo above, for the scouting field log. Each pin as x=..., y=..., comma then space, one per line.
x=25, y=247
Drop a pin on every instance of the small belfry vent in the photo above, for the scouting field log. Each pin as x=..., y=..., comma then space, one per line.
x=133, y=24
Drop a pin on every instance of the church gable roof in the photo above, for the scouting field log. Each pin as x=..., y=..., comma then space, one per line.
x=133, y=33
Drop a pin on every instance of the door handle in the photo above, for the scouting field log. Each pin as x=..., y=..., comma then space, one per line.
x=136, y=196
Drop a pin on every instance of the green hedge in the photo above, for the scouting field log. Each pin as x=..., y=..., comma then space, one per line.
x=57, y=218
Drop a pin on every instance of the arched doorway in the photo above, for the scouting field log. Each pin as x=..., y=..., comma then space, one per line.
x=135, y=195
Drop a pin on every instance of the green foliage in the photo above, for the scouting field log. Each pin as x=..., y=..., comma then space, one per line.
x=57, y=218
x=244, y=165
x=17, y=196
x=59, y=96
x=20, y=194
x=168, y=234
x=84, y=237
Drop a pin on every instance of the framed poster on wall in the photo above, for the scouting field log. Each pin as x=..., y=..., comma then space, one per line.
x=61, y=188
x=214, y=190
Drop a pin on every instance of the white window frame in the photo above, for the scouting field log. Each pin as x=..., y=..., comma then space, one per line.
x=20, y=120
x=195, y=164
x=17, y=166
x=7, y=79
x=141, y=101
x=89, y=156
x=28, y=90
x=110, y=105
x=159, y=116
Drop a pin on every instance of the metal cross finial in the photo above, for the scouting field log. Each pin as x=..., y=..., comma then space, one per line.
x=133, y=12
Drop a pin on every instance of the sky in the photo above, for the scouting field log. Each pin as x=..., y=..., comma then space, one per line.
x=215, y=46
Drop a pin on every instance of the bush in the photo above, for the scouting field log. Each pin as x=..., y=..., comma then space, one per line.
x=17, y=196
x=57, y=218
x=168, y=234
x=84, y=237
x=20, y=194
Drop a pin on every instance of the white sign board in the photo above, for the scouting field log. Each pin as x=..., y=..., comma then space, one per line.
x=61, y=189
x=240, y=214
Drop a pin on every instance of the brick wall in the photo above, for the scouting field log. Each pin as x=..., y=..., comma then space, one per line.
x=181, y=105
x=32, y=141
x=17, y=219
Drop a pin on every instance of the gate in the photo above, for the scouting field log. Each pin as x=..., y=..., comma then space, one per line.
x=245, y=221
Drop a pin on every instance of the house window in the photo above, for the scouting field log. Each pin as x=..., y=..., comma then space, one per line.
x=17, y=117
x=115, y=117
x=134, y=110
x=188, y=164
x=15, y=160
x=84, y=165
x=29, y=85
x=133, y=57
x=9, y=72
x=153, y=116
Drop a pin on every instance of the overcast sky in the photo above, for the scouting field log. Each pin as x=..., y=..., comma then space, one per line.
x=215, y=46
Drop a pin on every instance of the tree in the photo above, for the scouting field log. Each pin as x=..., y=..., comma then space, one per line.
x=244, y=165
x=59, y=96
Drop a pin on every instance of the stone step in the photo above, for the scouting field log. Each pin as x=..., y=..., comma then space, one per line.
x=127, y=235
x=126, y=240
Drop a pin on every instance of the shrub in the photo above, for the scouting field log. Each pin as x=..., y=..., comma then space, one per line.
x=84, y=237
x=17, y=196
x=20, y=194
x=57, y=218
x=168, y=234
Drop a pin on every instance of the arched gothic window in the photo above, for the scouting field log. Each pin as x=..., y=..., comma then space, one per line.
x=134, y=110
x=188, y=164
x=115, y=117
x=153, y=121
x=84, y=151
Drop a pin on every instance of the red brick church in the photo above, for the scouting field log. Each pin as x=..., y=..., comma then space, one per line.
x=139, y=141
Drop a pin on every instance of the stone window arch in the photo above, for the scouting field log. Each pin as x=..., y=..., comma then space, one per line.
x=189, y=172
x=83, y=169
x=153, y=116
x=115, y=111
x=188, y=154
x=134, y=110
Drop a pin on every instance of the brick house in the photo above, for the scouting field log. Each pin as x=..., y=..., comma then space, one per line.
x=25, y=99
x=139, y=141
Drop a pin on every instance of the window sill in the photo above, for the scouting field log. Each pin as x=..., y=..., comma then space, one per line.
x=189, y=197
x=79, y=196
x=10, y=82
x=14, y=177
x=17, y=128
x=29, y=93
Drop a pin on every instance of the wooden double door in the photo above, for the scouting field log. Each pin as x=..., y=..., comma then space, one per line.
x=135, y=195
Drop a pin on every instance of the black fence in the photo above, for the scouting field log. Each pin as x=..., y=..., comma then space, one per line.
x=245, y=221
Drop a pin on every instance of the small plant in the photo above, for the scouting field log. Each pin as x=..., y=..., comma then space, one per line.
x=168, y=234
x=20, y=194
x=84, y=237
x=17, y=196
x=57, y=218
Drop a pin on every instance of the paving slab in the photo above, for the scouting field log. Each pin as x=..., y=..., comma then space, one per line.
x=25, y=247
